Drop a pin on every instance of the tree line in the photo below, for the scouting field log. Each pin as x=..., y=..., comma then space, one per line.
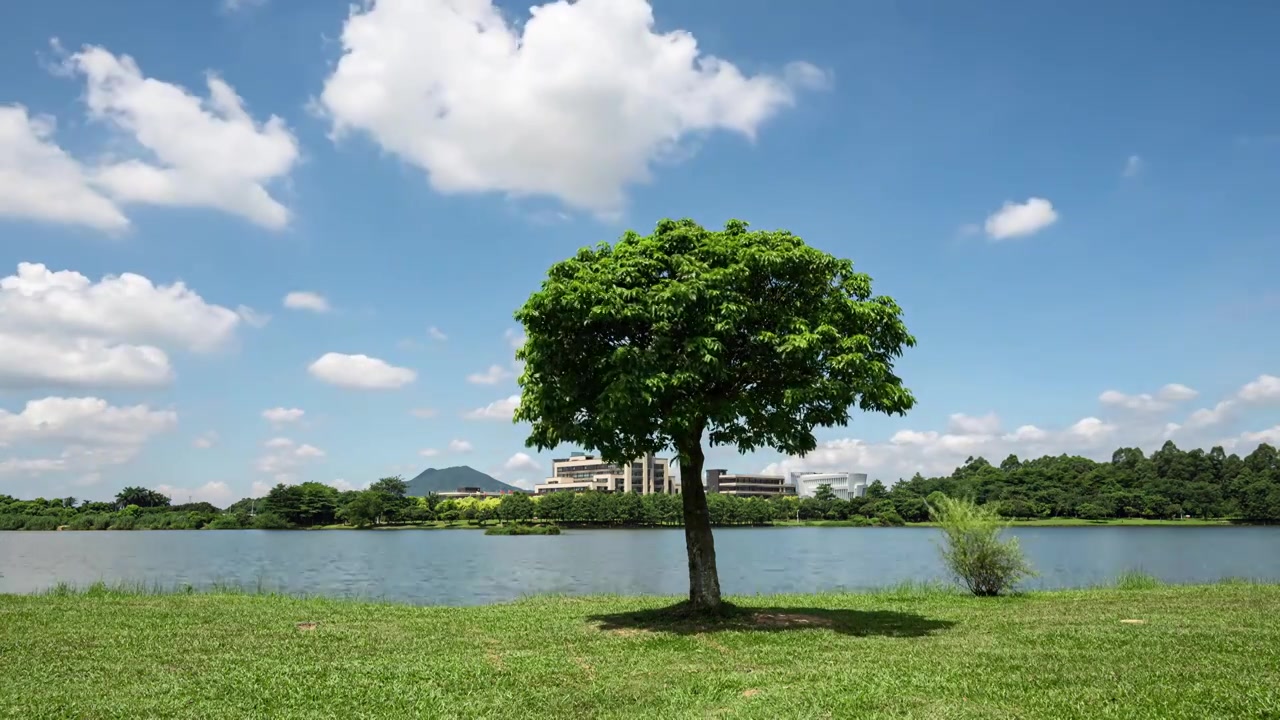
x=1170, y=483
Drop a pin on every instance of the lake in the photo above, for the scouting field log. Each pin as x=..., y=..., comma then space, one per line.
x=465, y=567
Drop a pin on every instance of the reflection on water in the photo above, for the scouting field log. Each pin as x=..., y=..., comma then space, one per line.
x=462, y=567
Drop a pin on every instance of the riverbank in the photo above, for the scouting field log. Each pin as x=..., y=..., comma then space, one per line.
x=1192, y=652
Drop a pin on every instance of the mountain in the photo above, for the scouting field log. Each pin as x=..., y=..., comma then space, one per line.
x=451, y=478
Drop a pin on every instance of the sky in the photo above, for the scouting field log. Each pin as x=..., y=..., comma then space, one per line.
x=257, y=241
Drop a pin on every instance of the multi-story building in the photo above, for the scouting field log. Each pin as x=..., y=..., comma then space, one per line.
x=580, y=471
x=844, y=484
x=747, y=485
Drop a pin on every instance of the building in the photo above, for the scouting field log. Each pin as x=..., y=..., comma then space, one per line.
x=721, y=481
x=845, y=485
x=580, y=471
x=475, y=492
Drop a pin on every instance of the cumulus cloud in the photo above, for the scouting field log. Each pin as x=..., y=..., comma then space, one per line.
x=40, y=181
x=520, y=461
x=1014, y=220
x=280, y=415
x=252, y=317
x=195, y=152
x=429, y=452
x=1138, y=422
x=205, y=440
x=360, y=372
x=1165, y=398
x=494, y=375
x=304, y=300
x=1265, y=390
x=77, y=434
x=62, y=329
x=344, y=486
x=503, y=409
x=216, y=493
x=283, y=458
x=435, y=333
x=459, y=446
x=577, y=102
x=1133, y=166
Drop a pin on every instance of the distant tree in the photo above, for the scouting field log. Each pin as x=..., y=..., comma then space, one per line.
x=362, y=510
x=515, y=507
x=142, y=497
x=824, y=493
x=392, y=486
x=876, y=491
x=688, y=336
x=556, y=506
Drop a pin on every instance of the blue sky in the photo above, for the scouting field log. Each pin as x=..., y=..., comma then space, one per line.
x=420, y=175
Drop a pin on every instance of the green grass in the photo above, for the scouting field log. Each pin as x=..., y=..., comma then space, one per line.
x=906, y=652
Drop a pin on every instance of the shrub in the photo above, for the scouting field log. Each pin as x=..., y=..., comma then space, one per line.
x=13, y=522
x=42, y=522
x=123, y=522
x=891, y=518
x=523, y=530
x=224, y=522
x=269, y=521
x=973, y=550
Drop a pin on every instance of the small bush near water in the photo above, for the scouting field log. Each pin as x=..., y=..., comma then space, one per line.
x=973, y=549
x=523, y=530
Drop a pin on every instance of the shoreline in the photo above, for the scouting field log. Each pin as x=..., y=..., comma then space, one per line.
x=457, y=525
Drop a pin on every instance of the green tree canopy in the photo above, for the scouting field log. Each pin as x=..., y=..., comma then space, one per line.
x=747, y=338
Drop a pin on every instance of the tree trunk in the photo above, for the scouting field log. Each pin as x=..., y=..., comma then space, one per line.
x=704, y=581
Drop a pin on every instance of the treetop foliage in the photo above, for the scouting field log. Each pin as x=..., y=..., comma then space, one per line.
x=752, y=337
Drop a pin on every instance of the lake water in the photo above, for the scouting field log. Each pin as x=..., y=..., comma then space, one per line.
x=463, y=567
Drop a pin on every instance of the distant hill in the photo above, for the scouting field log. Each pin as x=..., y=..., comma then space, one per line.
x=434, y=480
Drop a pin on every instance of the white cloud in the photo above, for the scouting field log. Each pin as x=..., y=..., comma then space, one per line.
x=1133, y=166
x=429, y=452
x=423, y=412
x=1261, y=391
x=503, y=409
x=62, y=329
x=239, y=5
x=205, y=441
x=1015, y=220
x=435, y=333
x=577, y=102
x=344, y=486
x=39, y=181
x=360, y=372
x=308, y=451
x=280, y=415
x=961, y=424
x=252, y=317
x=494, y=375
x=520, y=461
x=1137, y=422
x=515, y=338
x=85, y=434
x=283, y=458
x=197, y=152
x=1166, y=398
x=304, y=300
x=215, y=493
x=259, y=489
x=459, y=446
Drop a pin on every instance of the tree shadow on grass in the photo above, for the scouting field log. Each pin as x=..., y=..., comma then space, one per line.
x=859, y=623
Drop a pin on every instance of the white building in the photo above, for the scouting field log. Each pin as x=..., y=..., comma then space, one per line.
x=844, y=484
x=580, y=471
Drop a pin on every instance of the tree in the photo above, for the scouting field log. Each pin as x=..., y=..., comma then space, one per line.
x=363, y=510
x=141, y=497
x=824, y=493
x=515, y=507
x=688, y=336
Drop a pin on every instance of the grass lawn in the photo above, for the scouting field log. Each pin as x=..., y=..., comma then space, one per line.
x=1197, y=652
